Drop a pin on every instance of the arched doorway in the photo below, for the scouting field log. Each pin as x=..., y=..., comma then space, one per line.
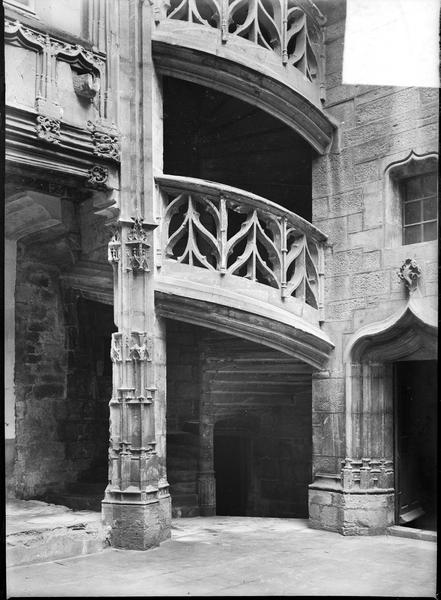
x=415, y=443
x=391, y=416
x=239, y=426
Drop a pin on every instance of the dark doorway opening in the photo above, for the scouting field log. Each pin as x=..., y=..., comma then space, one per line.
x=415, y=443
x=230, y=465
x=85, y=430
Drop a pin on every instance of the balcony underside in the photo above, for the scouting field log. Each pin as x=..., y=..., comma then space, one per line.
x=250, y=74
x=221, y=309
x=254, y=320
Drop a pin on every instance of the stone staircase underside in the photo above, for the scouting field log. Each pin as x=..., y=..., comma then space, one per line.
x=254, y=320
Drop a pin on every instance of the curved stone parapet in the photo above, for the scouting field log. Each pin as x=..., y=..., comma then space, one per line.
x=234, y=261
x=229, y=312
x=266, y=52
x=217, y=234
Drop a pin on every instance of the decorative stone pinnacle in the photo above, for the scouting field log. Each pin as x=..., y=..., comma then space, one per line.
x=409, y=272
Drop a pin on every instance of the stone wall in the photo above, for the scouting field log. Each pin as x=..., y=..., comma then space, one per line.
x=281, y=463
x=40, y=377
x=89, y=387
x=182, y=374
x=275, y=416
x=357, y=205
x=62, y=378
x=378, y=126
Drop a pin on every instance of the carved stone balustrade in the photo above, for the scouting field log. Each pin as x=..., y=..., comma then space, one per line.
x=267, y=52
x=288, y=28
x=231, y=232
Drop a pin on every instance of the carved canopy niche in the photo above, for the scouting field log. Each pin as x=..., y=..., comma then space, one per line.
x=411, y=333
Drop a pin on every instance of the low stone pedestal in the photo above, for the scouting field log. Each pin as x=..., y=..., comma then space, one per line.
x=138, y=526
x=351, y=513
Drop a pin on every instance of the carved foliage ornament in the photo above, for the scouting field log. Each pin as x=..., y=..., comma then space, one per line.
x=116, y=347
x=280, y=26
x=137, y=246
x=97, y=175
x=409, y=272
x=139, y=346
x=114, y=248
x=134, y=347
x=48, y=129
x=277, y=253
x=105, y=144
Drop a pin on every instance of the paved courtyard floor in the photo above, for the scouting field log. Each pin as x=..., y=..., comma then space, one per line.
x=241, y=556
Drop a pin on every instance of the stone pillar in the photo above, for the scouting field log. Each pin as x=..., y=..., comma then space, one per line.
x=9, y=347
x=359, y=497
x=137, y=503
x=206, y=476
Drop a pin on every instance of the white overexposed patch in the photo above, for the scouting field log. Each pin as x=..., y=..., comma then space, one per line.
x=392, y=42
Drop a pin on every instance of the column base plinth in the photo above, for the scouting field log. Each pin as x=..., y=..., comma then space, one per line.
x=351, y=513
x=137, y=526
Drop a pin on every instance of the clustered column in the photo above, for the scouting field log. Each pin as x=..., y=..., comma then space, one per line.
x=137, y=502
x=137, y=505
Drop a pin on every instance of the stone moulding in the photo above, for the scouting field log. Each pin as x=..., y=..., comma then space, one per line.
x=296, y=103
x=288, y=32
x=416, y=315
x=255, y=321
x=358, y=476
x=72, y=155
x=283, y=251
x=105, y=143
x=50, y=50
x=98, y=175
x=48, y=129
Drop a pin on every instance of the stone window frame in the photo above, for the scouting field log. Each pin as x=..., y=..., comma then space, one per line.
x=420, y=201
x=412, y=165
x=27, y=6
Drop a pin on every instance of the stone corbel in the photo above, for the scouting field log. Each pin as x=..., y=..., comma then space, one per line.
x=410, y=274
x=48, y=129
x=105, y=143
x=85, y=85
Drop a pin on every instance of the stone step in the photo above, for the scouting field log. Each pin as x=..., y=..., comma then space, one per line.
x=38, y=532
x=412, y=533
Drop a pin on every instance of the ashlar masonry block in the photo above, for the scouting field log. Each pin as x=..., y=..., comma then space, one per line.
x=351, y=514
